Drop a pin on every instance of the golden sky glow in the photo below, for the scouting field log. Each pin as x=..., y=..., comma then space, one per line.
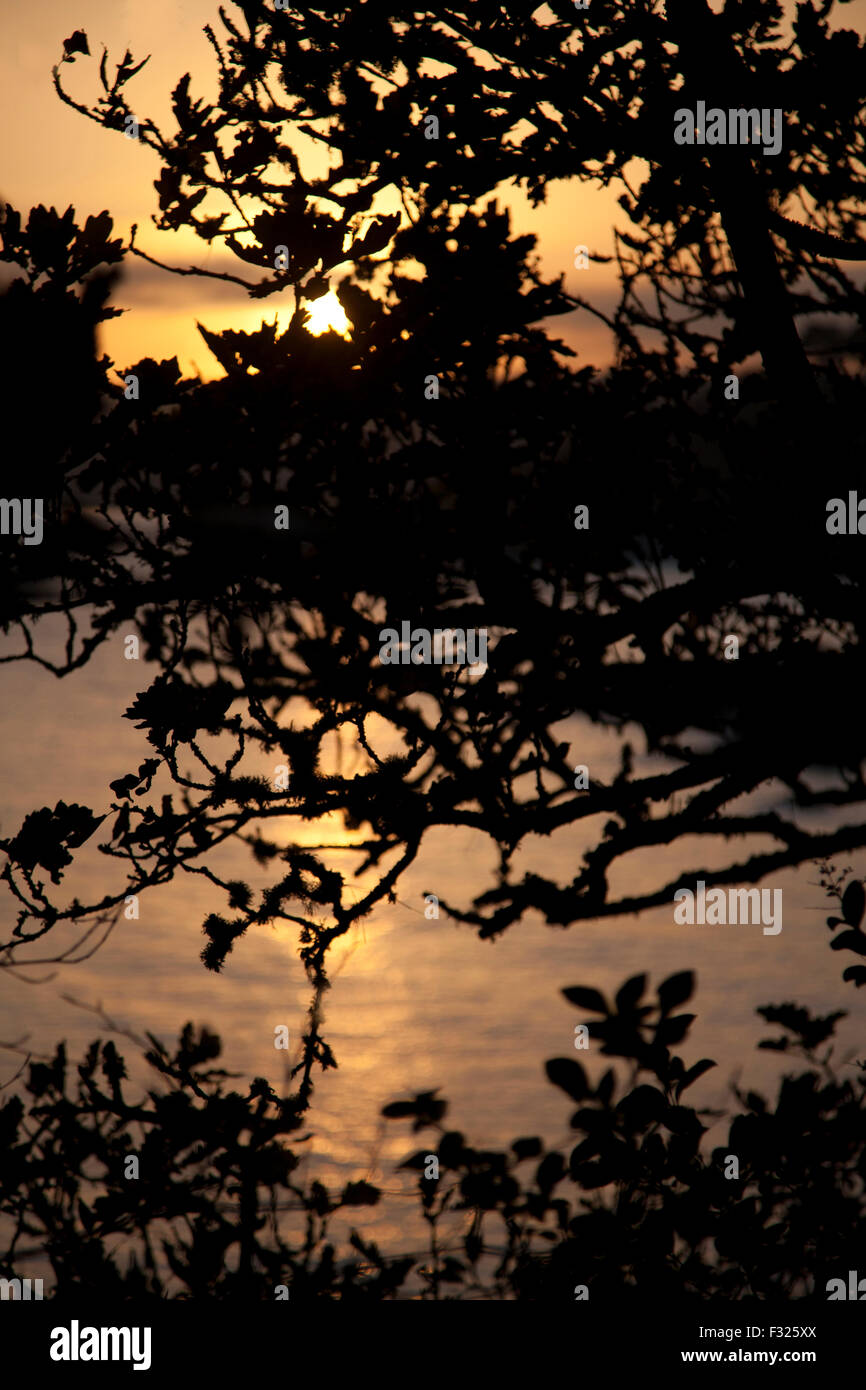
x=54, y=156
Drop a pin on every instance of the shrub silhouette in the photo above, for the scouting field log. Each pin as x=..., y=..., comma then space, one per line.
x=636, y=1206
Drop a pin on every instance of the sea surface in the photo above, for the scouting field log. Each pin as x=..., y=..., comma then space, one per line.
x=416, y=1004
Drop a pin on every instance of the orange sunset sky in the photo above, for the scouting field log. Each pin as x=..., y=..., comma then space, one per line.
x=52, y=155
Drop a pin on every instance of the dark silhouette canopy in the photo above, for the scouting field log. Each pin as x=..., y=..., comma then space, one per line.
x=431, y=468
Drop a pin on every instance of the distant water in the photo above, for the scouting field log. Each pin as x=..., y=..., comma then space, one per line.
x=415, y=1004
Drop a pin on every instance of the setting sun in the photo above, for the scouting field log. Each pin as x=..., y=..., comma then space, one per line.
x=326, y=313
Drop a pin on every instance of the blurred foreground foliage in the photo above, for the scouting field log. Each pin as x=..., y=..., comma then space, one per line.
x=638, y=1205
